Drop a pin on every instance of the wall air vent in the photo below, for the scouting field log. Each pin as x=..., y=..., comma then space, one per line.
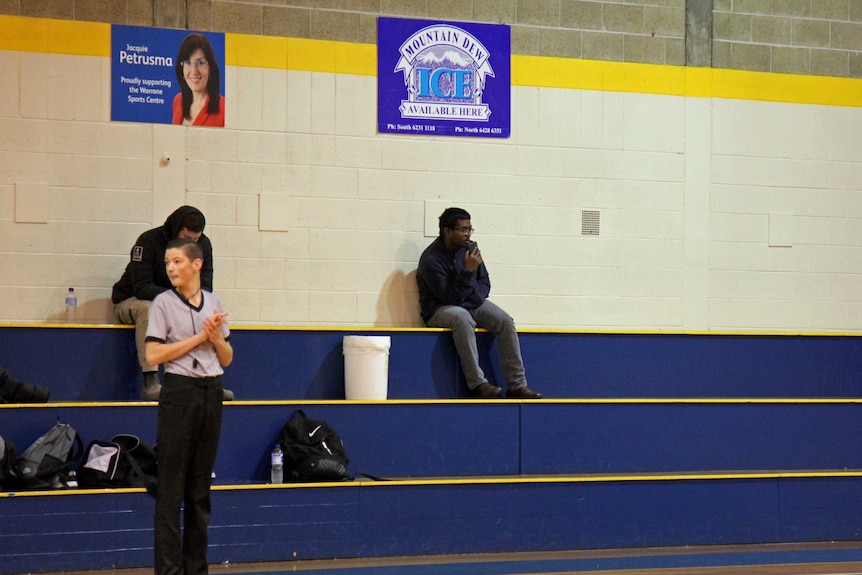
x=590, y=220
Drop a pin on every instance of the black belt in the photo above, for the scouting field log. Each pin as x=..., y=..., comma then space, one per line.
x=201, y=381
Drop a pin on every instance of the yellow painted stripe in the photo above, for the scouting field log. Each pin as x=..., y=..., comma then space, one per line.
x=255, y=51
x=93, y=39
x=791, y=88
x=495, y=480
x=701, y=333
x=568, y=73
x=39, y=325
x=566, y=401
x=598, y=478
x=55, y=36
x=300, y=54
x=620, y=332
x=337, y=328
x=562, y=401
x=575, y=74
x=384, y=330
x=359, y=59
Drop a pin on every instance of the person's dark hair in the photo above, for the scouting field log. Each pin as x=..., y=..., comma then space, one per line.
x=190, y=247
x=191, y=43
x=450, y=216
x=194, y=222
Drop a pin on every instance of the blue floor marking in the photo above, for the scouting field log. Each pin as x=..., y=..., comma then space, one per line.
x=670, y=561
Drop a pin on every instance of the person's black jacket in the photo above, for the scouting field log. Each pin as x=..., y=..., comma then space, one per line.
x=443, y=280
x=145, y=276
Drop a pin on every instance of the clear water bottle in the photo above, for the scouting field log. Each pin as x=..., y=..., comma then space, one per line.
x=276, y=474
x=71, y=305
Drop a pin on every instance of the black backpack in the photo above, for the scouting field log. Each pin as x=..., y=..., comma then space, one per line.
x=125, y=461
x=48, y=460
x=313, y=451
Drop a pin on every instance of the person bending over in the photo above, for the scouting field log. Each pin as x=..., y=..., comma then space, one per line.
x=145, y=277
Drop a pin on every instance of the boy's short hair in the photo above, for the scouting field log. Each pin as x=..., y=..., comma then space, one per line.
x=450, y=216
x=189, y=246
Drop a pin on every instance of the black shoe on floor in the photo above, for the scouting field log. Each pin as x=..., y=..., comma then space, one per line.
x=484, y=390
x=523, y=393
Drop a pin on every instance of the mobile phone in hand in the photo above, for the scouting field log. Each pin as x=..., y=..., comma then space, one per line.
x=471, y=246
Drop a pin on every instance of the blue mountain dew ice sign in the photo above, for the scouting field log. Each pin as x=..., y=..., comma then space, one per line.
x=443, y=78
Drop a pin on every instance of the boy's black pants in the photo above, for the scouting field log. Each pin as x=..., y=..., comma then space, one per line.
x=190, y=412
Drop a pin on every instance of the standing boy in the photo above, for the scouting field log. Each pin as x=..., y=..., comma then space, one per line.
x=188, y=333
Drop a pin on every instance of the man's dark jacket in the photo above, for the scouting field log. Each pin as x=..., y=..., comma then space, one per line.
x=145, y=276
x=443, y=280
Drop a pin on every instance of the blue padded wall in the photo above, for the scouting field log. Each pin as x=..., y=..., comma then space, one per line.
x=509, y=438
x=98, y=364
x=822, y=509
x=699, y=365
x=310, y=364
x=76, y=364
x=68, y=532
x=362, y=520
x=399, y=440
x=279, y=524
x=518, y=450
x=647, y=437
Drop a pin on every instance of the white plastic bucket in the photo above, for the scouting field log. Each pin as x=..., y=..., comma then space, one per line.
x=366, y=366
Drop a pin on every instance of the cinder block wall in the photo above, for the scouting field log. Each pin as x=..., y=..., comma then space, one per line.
x=720, y=207
x=818, y=37
x=633, y=31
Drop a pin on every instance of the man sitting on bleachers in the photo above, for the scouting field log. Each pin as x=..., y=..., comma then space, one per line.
x=453, y=291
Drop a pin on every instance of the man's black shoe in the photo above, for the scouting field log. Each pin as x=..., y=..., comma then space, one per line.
x=523, y=393
x=485, y=391
x=152, y=387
